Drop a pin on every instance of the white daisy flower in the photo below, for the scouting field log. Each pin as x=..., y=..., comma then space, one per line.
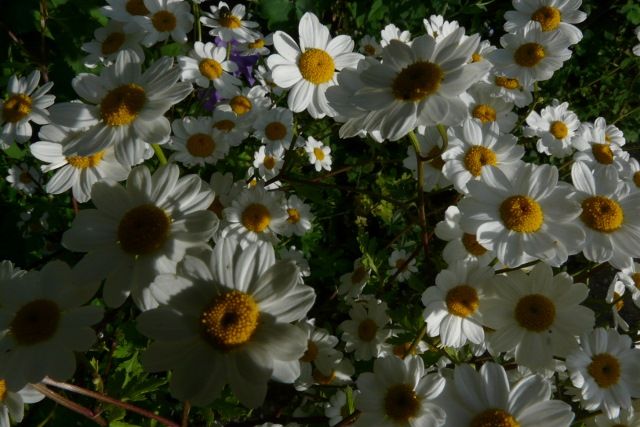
x=487, y=399
x=597, y=151
x=255, y=214
x=530, y=54
x=454, y=307
x=265, y=78
x=257, y=47
x=461, y=246
x=399, y=393
x=552, y=15
x=630, y=278
x=338, y=408
x=208, y=64
x=126, y=12
x=141, y=231
x=109, y=41
x=556, y=127
x=197, y=142
x=126, y=108
x=610, y=216
x=365, y=333
x=486, y=108
x=319, y=154
x=614, y=297
x=299, y=217
x=473, y=147
x=352, y=283
x=297, y=256
x=605, y=369
x=484, y=49
x=42, y=323
x=25, y=103
x=510, y=89
x=268, y=163
x=523, y=218
x=310, y=68
x=275, y=128
x=438, y=28
x=612, y=134
x=228, y=24
x=248, y=103
x=401, y=267
x=74, y=172
x=12, y=403
x=320, y=359
x=369, y=46
x=538, y=315
x=419, y=84
x=431, y=144
x=391, y=32
x=230, y=315
x=165, y=18
x=234, y=128
x=24, y=178
x=626, y=418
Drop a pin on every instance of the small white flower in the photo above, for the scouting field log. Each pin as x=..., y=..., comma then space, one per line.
x=369, y=46
x=228, y=24
x=597, y=150
x=365, y=333
x=12, y=403
x=391, y=32
x=275, y=128
x=207, y=64
x=299, y=217
x=486, y=108
x=401, y=267
x=24, y=178
x=614, y=297
x=165, y=18
x=109, y=41
x=556, y=127
x=197, y=142
x=352, y=283
x=319, y=154
x=268, y=163
x=552, y=15
x=461, y=246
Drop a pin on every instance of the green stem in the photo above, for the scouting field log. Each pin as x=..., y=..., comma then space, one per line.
x=160, y=154
x=196, y=14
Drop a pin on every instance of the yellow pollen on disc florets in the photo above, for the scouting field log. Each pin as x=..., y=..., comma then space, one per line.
x=256, y=217
x=318, y=153
x=240, y=105
x=619, y=302
x=35, y=322
x=210, y=68
x=417, y=81
x=294, y=216
x=311, y=353
x=401, y=403
x=636, y=178
x=3, y=390
x=269, y=162
x=507, y=83
x=529, y=54
x=258, y=44
x=84, y=162
x=229, y=21
x=636, y=280
x=275, y=131
x=112, y=43
x=17, y=107
x=477, y=157
x=143, y=229
x=321, y=378
x=605, y=370
x=476, y=57
x=472, y=246
x=535, y=312
x=230, y=320
x=521, y=214
x=136, y=8
x=369, y=50
x=484, y=112
x=558, y=129
x=494, y=418
x=602, y=214
x=548, y=17
x=462, y=300
x=201, y=145
x=602, y=153
x=164, y=21
x=225, y=126
x=367, y=330
x=316, y=66
x=121, y=105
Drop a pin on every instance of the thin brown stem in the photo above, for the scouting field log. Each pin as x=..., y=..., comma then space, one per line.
x=186, y=408
x=75, y=407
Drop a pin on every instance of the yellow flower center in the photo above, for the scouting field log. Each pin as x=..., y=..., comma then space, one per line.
x=256, y=217
x=435, y=154
x=485, y=113
x=229, y=21
x=136, y=8
x=401, y=403
x=369, y=50
x=269, y=162
x=240, y=105
x=636, y=178
x=602, y=214
x=507, y=83
x=3, y=390
x=477, y=157
x=548, y=17
x=417, y=81
x=143, y=229
x=602, y=153
x=535, y=312
x=121, y=105
x=462, y=300
x=275, y=131
x=605, y=370
x=558, y=129
x=84, y=162
x=25, y=178
x=476, y=57
x=521, y=214
x=636, y=280
x=401, y=350
x=619, y=301
x=316, y=66
x=311, y=353
x=294, y=216
x=367, y=330
x=494, y=418
x=472, y=246
x=35, y=322
x=224, y=125
x=258, y=44
x=230, y=320
x=358, y=275
x=318, y=153
x=529, y=54
x=164, y=21
x=323, y=379
x=210, y=68
x=200, y=145
x=17, y=107
x=112, y=43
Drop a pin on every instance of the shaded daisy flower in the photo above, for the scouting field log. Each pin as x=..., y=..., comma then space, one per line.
x=207, y=64
x=166, y=18
x=352, y=283
x=461, y=246
x=556, y=127
x=319, y=154
x=431, y=144
x=228, y=24
x=597, y=150
x=24, y=178
x=109, y=41
x=197, y=142
x=12, y=403
x=365, y=333
x=552, y=15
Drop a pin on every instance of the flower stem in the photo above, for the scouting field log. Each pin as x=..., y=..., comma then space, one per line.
x=196, y=14
x=71, y=405
x=160, y=154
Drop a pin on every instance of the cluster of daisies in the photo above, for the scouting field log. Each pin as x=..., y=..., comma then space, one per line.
x=210, y=265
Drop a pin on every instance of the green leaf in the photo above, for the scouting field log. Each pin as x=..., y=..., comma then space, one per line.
x=121, y=424
x=276, y=11
x=15, y=152
x=173, y=49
